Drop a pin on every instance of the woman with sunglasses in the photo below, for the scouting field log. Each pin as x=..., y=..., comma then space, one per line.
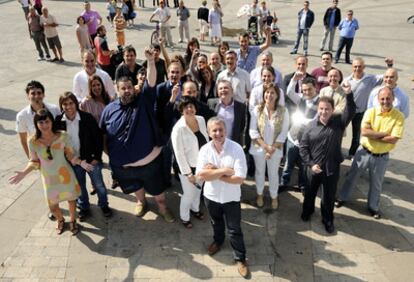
x=49, y=150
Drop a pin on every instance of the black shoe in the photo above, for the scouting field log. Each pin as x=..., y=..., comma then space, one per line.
x=293, y=52
x=349, y=62
x=93, y=192
x=321, y=49
x=329, y=227
x=107, y=212
x=51, y=216
x=336, y=61
x=83, y=214
x=375, y=214
x=305, y=217
x=339, y=203
x=115, y=183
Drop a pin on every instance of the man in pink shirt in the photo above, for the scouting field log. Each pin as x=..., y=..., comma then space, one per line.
x=92, y=19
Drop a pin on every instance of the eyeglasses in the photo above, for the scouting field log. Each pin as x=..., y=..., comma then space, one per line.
x=49, y=153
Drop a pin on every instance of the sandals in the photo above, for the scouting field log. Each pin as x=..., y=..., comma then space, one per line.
x=60, y=226
x=199, y=215
x=74, y=227
x=187, y=224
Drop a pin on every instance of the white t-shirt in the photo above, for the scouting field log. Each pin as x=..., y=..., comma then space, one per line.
x=25, y=3
x=80, y=84
x=163, y=15
x=50, y=31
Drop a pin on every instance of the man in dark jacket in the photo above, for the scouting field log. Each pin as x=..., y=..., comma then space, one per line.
x=331, y=20
x=320, y=149
x=305, y=21
x=87, y=141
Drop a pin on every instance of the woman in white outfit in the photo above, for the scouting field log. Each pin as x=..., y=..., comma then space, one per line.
x=269, y=125
x=188, y=135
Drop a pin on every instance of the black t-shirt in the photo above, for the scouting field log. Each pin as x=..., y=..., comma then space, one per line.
x=161, y=70
x=123, y=70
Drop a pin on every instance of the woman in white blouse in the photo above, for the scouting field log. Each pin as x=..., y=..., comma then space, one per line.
x=269, y=125
x=188, y=135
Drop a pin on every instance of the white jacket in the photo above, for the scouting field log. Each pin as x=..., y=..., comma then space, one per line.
x=185, y=144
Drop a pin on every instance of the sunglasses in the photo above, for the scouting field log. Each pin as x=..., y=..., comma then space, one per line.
x=49, y=153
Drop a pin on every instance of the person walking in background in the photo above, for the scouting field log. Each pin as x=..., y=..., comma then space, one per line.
x=214, y=20
x=120, y=25
x=202, y=16
x=331, y=20
x=183, y=14
x=305, y=20
x=83, y=36
x=92, y=19
x=164, y=15
x=348, y=28
x=49, y=24
x=36, y=33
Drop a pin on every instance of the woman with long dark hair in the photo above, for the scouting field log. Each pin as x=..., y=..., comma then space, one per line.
x=97, y=98
x=208, y=84
x=269, y=125
x=192, y=46
x=50, y=151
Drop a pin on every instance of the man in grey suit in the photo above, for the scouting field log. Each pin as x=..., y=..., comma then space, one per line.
x=231, y=111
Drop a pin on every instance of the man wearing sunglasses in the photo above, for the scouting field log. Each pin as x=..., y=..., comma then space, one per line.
x=35, y=93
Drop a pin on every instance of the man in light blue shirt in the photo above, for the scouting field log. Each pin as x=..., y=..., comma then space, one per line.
x=347, y=28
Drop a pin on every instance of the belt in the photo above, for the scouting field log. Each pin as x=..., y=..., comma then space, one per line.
x=373, y=154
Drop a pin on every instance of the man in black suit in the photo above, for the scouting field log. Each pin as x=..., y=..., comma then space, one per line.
x=231, y=111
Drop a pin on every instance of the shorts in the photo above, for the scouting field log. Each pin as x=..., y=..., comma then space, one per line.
x=132, y=179
x=54, y=42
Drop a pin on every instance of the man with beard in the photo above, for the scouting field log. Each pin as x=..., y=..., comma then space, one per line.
x=129, y=66
x=133, y=142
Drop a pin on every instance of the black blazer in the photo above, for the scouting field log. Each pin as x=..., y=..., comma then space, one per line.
x=327, y=16
x=90, y=136
x=239, y=124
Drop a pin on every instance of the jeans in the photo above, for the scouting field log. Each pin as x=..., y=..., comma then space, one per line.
x=272, y=170
x=347, y=43
x=377, y=165
x=293, y=158
x=356, y=132
x=39, y=39
x=329, y=184
x=331, y=33
x=305, y=33
x=97, y=181
x=229, y=214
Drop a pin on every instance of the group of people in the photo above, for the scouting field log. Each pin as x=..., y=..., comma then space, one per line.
x=210, y=118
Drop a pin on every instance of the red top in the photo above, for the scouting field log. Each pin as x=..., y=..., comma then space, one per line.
x=102, y=45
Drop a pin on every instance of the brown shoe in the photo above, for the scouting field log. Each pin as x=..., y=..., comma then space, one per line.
x=259, y=201
x=213, y=248
x=243, y=269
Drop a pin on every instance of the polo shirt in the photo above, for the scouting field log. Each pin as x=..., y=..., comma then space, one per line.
x=391, y=122
x=248, y=63
x=131, y=130
x=232, y=156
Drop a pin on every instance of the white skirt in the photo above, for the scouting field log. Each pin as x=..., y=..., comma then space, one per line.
x=203, y=26
x=215, y=30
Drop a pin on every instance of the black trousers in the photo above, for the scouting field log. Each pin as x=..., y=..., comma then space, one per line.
x=356, y=132
x=347, y=43
x=329, y=184
x=227, y=214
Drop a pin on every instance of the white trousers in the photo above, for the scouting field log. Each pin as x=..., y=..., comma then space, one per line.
x=183, y=29
x=272, y=172
x=190, y=200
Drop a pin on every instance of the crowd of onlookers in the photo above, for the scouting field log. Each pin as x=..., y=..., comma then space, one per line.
x=210, y=119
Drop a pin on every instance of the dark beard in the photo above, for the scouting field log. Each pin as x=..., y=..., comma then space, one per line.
x=125, y=100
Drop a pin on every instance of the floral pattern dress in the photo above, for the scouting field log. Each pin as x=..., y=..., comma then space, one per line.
x=59, y=180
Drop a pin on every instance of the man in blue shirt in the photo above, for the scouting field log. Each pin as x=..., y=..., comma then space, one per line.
x=133, y=141
x=247, y=55
x=347, y=28
x=331, y=20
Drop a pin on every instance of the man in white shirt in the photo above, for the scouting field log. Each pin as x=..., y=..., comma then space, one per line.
x=222, y=165
x=239, y=78
x=164, y=16
x=24, y=120
x=80, y=80
x=266, y=59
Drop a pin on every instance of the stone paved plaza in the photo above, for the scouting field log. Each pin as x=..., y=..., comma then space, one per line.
x=280, y=246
